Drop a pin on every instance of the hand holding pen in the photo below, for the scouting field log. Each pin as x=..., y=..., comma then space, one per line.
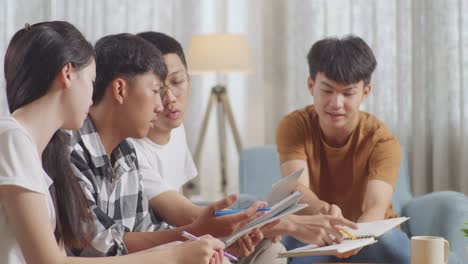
x=194, y=238
x=234, y=211
x=221, y=226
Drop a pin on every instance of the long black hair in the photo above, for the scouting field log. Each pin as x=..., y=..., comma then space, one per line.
x=35, y=55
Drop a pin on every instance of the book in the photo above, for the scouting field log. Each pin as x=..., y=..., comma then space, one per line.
x=283, y=200
x=377, y=228
x=366, y=234
x=287, y=206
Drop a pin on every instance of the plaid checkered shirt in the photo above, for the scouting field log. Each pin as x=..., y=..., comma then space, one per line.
x=114, y=190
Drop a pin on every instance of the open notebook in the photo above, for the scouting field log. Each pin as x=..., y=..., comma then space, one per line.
x=284, y=187
x=366, y=234
x=283, y=200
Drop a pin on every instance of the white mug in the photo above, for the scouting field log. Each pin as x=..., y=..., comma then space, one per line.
x=429, y=250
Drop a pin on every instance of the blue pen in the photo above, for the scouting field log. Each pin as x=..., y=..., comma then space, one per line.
x=233, y=211
x=194, y=238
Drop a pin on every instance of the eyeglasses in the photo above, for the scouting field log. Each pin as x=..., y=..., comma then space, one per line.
x=177, y=84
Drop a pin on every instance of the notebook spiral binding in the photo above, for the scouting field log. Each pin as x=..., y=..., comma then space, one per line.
x=359, y=237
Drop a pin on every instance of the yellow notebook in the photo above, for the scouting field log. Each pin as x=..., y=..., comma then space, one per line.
x=366, y=234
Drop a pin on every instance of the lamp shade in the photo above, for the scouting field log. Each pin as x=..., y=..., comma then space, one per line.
x=219, y=53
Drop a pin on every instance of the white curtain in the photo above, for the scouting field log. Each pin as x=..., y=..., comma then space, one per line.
x=421, y=48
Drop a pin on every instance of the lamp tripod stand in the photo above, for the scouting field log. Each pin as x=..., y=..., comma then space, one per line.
x=223, y=108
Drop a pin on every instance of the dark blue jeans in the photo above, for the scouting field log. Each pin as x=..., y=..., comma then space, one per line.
x=392, y=247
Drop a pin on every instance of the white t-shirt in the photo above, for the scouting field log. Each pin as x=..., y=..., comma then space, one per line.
x=21, y=166
x=165, y=167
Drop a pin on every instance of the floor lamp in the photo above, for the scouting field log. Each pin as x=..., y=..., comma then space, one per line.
x=219, y=54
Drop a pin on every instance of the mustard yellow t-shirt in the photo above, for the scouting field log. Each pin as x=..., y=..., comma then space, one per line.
x=340, y=175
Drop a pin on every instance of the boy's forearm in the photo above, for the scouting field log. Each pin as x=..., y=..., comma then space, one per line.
x=374, y=213
x=378, y=199
x=175, y=209
x=315, y=204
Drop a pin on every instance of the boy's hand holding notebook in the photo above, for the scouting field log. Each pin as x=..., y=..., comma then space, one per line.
x=366, y=234
x=282, y=201
x=221, y=226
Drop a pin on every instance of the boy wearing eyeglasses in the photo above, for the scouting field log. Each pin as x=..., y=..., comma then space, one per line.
x=166, y=163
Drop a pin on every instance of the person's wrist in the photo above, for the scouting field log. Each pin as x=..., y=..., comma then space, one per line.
x=291, y=225
x=282, y=228
x=323, y=208
x=194, y=229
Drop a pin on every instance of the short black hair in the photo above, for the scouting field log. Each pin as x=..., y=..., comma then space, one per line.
x=347, y=60
x=166, y=44
x=124, y=55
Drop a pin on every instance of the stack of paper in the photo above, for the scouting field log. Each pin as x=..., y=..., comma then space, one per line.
x=314, y=250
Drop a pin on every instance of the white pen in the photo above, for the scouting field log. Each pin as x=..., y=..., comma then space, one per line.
x=189, y=236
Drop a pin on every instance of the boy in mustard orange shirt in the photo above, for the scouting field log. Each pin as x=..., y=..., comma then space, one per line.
x=351, y=157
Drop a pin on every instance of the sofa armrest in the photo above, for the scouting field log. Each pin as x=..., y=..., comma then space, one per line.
x=439, y=214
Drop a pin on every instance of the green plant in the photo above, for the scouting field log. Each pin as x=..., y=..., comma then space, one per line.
x=465, y=230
